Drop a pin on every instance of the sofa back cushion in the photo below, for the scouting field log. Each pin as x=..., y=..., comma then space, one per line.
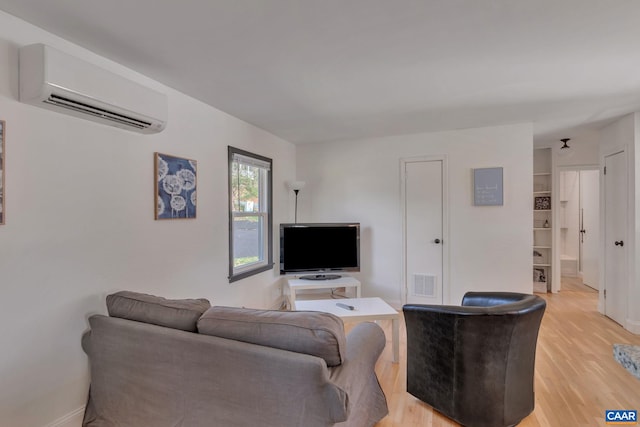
x=177, y=314
x=309, y=332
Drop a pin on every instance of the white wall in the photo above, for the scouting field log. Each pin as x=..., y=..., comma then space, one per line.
x=633, y=321
x=489, y=247
x=625, y=134
x=79, y=225
x=584, y=148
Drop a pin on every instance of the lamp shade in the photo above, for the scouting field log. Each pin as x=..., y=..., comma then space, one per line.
x=296, y=185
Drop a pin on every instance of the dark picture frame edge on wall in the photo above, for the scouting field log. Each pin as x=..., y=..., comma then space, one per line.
x=3, y=198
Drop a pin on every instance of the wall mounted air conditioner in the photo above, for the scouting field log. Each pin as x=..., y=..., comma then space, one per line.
x=54, y=80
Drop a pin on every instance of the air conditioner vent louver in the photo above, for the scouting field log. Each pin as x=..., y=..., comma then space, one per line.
x=94, y=111
x=56, y=81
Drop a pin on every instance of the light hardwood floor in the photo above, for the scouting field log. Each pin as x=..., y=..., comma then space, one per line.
x=576, y=378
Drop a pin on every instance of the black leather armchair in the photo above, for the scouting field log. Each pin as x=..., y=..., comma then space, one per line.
x=475, y=363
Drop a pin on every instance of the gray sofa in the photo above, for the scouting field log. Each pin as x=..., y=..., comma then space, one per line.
x=180, y=363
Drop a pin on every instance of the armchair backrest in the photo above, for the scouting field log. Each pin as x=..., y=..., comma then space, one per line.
x=501, y=301
x=475, y=362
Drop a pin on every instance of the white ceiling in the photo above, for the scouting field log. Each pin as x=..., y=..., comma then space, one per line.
x=322, y=70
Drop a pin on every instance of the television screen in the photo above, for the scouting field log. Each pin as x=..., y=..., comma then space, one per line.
x=319, y=247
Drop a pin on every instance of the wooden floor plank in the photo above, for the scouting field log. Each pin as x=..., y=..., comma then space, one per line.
x=576, y=378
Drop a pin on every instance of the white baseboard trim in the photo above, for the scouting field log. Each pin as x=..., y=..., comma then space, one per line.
x=72, y=419
x=633, y=326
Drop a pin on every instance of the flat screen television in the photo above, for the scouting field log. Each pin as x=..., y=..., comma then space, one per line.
x=319, y=248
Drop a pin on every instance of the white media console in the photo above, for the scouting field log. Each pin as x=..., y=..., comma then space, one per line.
x=298, y=284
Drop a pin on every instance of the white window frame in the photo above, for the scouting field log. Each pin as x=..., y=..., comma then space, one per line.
x=265, y=212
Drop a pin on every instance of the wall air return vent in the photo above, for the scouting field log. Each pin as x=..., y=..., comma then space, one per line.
x=424, y=285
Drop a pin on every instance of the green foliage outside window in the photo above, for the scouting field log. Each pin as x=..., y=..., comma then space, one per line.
x=245, y=187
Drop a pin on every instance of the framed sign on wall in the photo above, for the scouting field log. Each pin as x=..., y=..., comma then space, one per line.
x=488, y=187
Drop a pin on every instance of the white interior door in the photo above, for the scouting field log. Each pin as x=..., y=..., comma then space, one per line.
x=423, y=216
x=615, y=211
x=589, y=227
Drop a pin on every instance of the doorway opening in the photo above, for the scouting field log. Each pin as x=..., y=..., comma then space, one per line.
x=578, y=226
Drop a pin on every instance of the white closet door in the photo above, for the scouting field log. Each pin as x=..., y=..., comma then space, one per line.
x=615, y=210
x=423, y=208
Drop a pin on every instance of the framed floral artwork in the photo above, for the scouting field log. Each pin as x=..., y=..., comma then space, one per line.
x=2, y=157
x=175, y=187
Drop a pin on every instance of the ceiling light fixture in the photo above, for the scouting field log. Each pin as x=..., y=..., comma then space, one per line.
x=565, y=150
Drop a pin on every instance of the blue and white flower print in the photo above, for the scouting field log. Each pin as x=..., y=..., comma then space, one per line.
x=176, y=187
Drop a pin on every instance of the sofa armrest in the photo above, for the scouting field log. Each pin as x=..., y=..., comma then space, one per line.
x=357, y=375
x=86, y=342
x=365, y=343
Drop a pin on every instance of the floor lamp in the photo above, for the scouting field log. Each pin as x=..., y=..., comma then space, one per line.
x=296, y=186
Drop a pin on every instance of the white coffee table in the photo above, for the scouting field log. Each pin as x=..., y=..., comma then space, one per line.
x=365, y=309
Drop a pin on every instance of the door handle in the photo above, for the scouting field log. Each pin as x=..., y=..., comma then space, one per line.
x=437, y=241
x=619, y=243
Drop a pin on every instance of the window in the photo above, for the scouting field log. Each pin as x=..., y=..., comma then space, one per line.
x=250, y=219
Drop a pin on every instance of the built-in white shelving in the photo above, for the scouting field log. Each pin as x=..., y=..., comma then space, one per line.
x=542, y=220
